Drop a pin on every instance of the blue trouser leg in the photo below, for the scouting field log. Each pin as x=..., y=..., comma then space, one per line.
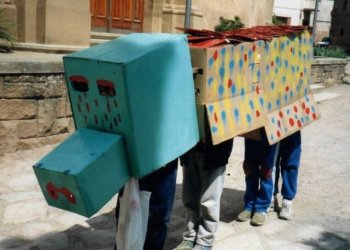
x=290, y=152
x=251, y=170
x=259, y=161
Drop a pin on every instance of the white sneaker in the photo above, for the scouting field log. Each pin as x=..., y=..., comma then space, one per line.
x=286, y=210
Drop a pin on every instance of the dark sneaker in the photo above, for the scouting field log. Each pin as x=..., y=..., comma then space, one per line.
x=244, y=216
x=185, y=245
x=286, y=210
x=200, y=247
x=258, y=219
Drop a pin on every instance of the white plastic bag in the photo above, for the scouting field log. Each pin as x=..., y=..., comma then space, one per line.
x=133, y=217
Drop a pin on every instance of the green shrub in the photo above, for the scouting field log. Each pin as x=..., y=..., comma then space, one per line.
x=7, y=39
x=229, y=24
x=331, y=51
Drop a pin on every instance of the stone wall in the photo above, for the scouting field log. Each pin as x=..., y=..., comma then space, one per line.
x=34, y=105
x=328, y=71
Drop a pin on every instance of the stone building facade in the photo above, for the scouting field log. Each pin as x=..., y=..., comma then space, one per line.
x=69, y=23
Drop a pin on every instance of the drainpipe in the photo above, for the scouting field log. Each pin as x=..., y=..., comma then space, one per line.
x=315, y=21
x=188, y=14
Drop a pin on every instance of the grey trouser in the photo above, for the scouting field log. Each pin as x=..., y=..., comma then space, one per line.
x=201, y=193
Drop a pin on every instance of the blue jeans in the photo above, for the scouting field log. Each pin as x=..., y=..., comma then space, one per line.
x=287, y=164
x=162, y=185
x=259, y=160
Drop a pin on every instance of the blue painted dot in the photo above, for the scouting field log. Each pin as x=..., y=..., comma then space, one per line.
x=261, y=101
x=214, y=129
x=232, y=64
x=242, y=48
x=258, y=74
x=240, y=63
x=250, y=53
x=286, y=63
x=269, y=106
x=242, y=91
x=282, y=46
x=223, y=51
x=293, y=69
x=273, y=120
x=267, y=47
x=251, y=104
x=210, y=80
x=272, y=137
x=222, y=72
x=275, y=45
x=288, y=42
x=211, y=108
x=267, y=68
x=221, y=89
x=211, y=61
x=276, y=71
x=299, y=54
x=272, y=85
x=307, y=118
x=296, y=117
x=288, y=111
x=313, y=109
x=233, y=89
x=249, y=118
x=223, y=115
x=278, y=103
x=277, y=59
x=291, y=93
x=285, y=98
x=252, y=66
x=284, y=79
x=302, y=119
x=236, y=112
x=305, y=91
x=307, y=99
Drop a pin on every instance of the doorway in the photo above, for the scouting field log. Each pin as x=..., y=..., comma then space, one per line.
x=117, y=16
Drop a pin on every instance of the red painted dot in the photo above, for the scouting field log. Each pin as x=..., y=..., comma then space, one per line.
x=215, y=117
x=229, y=83
x=291, y=122
x=307, y=110
x=301, y=74
x=245, y=57
x=280, y=114
x=215, y=56
x=287, y=88
x=254, y=48
x=278, y=133
x=299, y=124
x=303, y=105
x=257, y=113
x=291, y=50
x=295, y=109
x=272, y=63
x=257, y=90
x=314, y=116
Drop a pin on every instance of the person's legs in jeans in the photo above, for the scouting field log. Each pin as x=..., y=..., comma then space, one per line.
x=290, y=154
x=252, y=149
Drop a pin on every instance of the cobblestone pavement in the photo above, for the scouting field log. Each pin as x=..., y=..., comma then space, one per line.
x=321, y=209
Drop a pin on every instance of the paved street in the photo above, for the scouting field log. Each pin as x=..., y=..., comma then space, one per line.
x=321, y=209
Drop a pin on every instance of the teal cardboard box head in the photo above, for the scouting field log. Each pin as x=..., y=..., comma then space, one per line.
x=139, y=87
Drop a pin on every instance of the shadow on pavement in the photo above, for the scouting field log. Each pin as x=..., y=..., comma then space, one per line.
x=330, y=240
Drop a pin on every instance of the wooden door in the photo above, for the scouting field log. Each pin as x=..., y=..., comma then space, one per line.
x=117, y=14
x=99, y=13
